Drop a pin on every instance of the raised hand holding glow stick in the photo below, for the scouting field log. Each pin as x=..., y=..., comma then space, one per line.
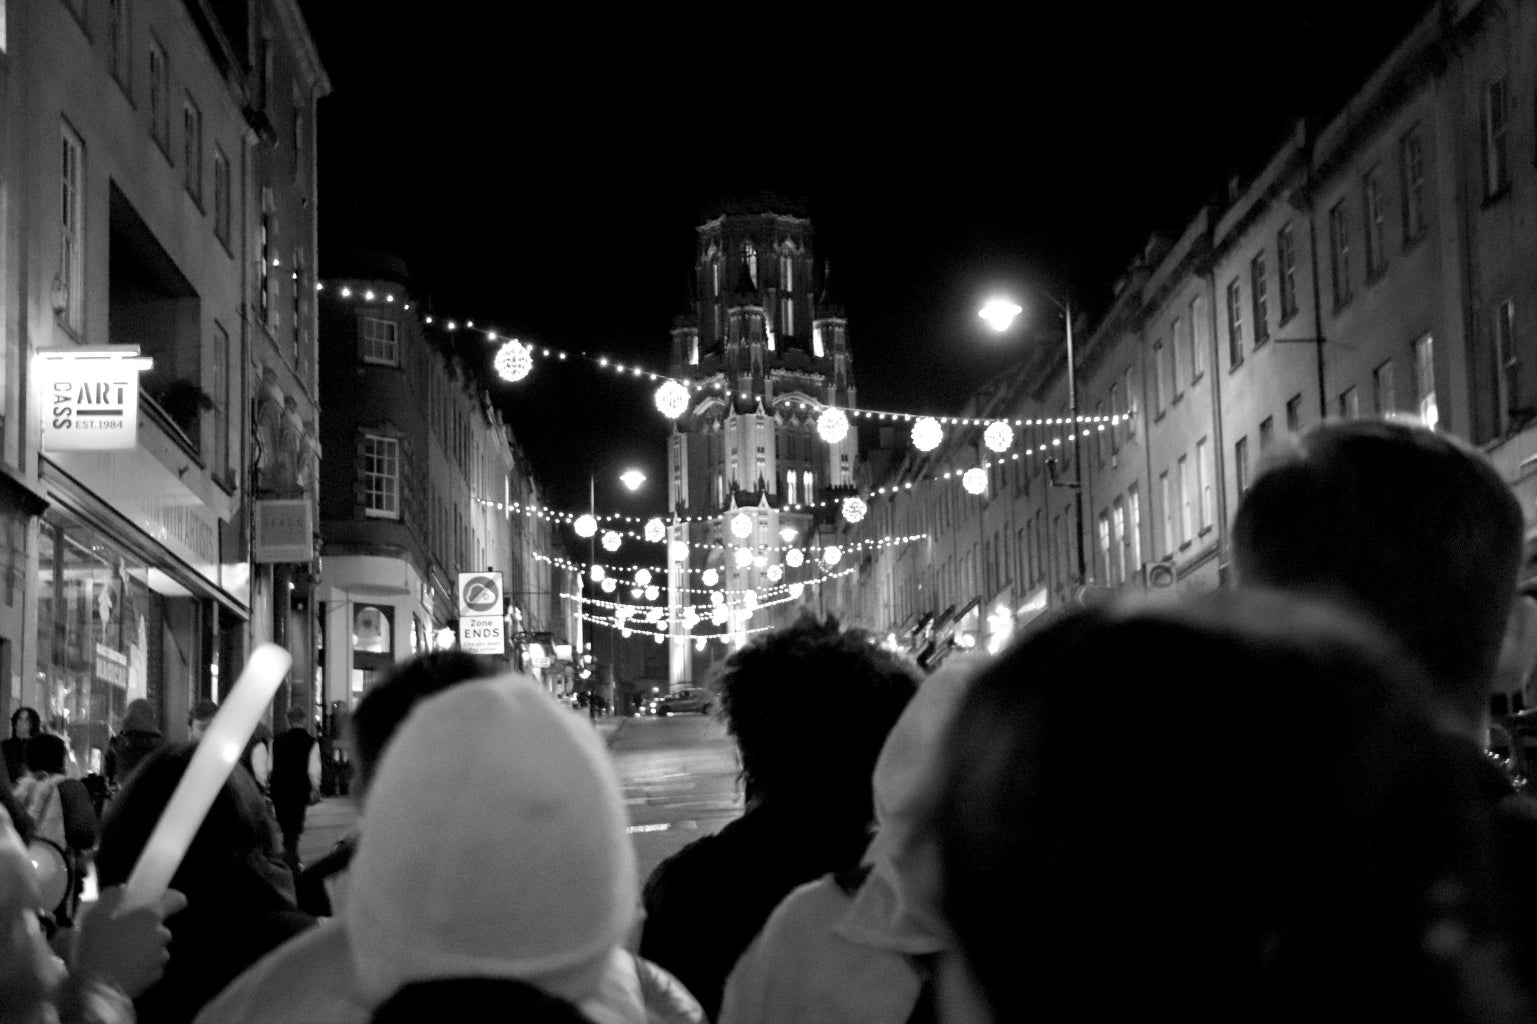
x=211, y=764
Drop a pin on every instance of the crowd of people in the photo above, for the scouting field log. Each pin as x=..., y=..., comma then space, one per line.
x=1273, y=802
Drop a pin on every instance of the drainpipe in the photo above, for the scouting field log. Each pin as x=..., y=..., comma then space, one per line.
x=1318, y=316
x=1219, y=454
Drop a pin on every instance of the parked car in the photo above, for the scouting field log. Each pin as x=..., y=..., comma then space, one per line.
x=688, y=699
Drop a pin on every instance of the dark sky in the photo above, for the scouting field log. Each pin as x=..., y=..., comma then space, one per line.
x=544, y=175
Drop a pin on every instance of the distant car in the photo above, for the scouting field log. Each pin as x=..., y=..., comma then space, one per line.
x=688, y=699
x=1513, y=746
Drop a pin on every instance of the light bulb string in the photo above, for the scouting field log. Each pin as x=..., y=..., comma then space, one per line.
x=598, y=620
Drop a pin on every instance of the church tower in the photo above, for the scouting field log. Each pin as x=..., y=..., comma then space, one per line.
x=769, y=357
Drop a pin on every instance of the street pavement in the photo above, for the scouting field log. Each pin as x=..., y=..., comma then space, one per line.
x=680, y=782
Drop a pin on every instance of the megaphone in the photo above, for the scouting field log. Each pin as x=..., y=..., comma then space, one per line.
x=54, y=878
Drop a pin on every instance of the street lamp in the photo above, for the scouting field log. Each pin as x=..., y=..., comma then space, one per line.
x=999, y=314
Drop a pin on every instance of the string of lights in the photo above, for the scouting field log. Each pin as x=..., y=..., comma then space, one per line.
x=660, y=635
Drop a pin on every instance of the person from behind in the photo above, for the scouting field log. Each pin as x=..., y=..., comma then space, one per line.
x=139, y=737
x=809, y=810
x=61, y=812
x=198, y=718
x=862, y=946
x=295, y=781
x=257, y=756
x=240, y=896
x=25, y=724
x=1285, y=835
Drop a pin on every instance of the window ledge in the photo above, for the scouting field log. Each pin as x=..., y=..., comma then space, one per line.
x=1233, y=368
x=1340, y=304
x=1497, y=195
x=1260, y=343
x=1373, y=276
x=1286, y=318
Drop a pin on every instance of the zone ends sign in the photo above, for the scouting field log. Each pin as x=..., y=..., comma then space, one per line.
x=480, y=593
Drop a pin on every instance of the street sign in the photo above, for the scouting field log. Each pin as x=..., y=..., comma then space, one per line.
x=482, y=634
x=480, y=593
x=283, y=531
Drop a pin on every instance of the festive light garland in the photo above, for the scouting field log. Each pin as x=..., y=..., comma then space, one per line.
x=660, y=635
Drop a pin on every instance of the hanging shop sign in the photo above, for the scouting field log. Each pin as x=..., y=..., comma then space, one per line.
x=284, y=531
x=90, y=397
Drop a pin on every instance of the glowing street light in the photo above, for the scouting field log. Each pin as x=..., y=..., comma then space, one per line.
x=632, y=479
x=999, y=314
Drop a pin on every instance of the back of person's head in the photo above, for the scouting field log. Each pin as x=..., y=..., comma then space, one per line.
x=495, y=847
x=298, y=718
x=1412, y=527
x=47, y=753
x=513, y=1000
x=203, y=711
x=30, y=715
x=810, y=706
x=388, y=702
x=1284, y=830
x=233, y=857
x=140, y=716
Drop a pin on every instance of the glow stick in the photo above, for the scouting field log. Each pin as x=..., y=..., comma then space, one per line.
x=214, y=759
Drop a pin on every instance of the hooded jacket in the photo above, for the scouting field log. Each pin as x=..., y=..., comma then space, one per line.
x=139, y=737
x=827, y=956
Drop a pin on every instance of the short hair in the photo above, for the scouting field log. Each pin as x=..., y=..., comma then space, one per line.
x=386, y=704
x=810, y=706
x=47, y=753
x=202, y=711
x=31, y=715
x=1409, y=526
x=298, y=716
x=1266, y=834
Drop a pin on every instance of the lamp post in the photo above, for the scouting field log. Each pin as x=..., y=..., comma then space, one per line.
x=1000, y=314
x=632, y=480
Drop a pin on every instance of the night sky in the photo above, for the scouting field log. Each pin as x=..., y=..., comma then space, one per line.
x=544, y=177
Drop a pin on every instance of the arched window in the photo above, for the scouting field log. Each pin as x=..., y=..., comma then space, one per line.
x=790, y=487
x=750, y=257
x=810, y=482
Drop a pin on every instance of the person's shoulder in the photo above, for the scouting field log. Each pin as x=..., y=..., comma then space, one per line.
x=309, y=977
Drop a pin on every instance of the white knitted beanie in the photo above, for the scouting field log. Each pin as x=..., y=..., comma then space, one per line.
x=493, y=845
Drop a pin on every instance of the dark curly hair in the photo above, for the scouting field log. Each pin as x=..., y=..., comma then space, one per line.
x=810, y=706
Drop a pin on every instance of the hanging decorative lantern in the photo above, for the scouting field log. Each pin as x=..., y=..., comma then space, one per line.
x=793, y=558
x=760, y=560
x=625, y=632
x=927, y=434
x=743, y=558
x=741, y=526
x=611, y=541
x=672, y=399
x=998, y=436
x=690, y=618
x=653, y=614
x=608, y=585
x=974, y=480
x=833, y=425
x=699, y=643
x=719, y=614
x=717, y=598
x=656, y=530
x=652, y=592
x=643, y=576
x=658, y=637
x=796, y=590
x=679, y=550
x=750, y=600
x=854, y=509
x=776, y=573
x=832, y=554
x=597, y=573
x=585, y=526
x=709, y=577
x=513, y=361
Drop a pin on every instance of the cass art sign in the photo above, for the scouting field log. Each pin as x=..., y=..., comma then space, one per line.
x=283, y=531
x=90, y=397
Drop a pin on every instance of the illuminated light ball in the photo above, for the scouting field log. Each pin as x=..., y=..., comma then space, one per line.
x=998, y=436
x=832, y=554
x=750, y=599
x=652, y=592
x=833, y=425
x=611, y=541
x=672, y=399
x=658, y=638
x=796, y=590
x=741, y=526
x=743, y=558
x=653, y=614
x=974, y=480
x=635, y=592
x=625, y=632
x=776, y=573
x=719, y=614
x=717, y=598
x=656, y=530
x=927, y=434
x=513, y=361
x=690, y=619
x=608, y=585
x=643, y=576
x=597, y=573
x=709, y=577
x=793, y=558
x=585, y=526
x=679, y=550
x=854, y=509
x=699, y=643
x=760, y=560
